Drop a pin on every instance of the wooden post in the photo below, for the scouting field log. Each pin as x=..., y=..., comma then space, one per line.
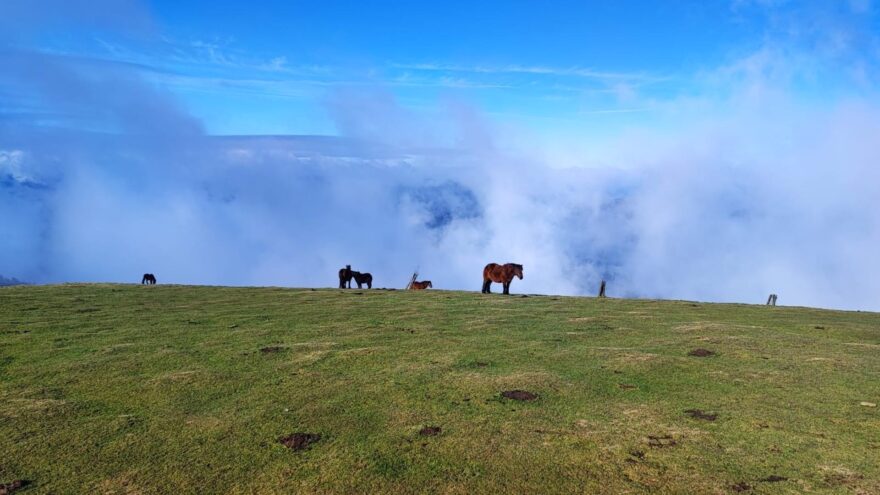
x=602, y=289
x=415, y=276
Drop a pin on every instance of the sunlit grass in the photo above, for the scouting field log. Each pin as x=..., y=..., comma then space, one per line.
x=164, y=389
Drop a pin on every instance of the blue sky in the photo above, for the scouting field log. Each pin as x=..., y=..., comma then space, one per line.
x=267, y=67
x=713, y=150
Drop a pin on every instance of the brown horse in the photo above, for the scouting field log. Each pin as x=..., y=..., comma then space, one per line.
x=421, y=285
x=363, y=278
x=502, y=274
x=345, y=277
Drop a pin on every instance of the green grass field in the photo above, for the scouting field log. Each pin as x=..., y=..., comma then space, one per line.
x=166, y=389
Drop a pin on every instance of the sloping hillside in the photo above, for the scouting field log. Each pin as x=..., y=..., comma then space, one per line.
x=173, y=389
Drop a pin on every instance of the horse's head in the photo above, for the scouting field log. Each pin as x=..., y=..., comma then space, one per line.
x=428, y=284
x=518, y=270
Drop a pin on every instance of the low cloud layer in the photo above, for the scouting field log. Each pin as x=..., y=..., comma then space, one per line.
x=104, y=177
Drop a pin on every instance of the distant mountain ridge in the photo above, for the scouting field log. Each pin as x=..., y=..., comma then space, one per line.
x=10, y=281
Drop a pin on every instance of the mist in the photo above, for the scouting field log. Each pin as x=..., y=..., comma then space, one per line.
x=105, y=176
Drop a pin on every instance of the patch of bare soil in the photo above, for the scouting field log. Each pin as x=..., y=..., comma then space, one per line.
x=773, y=479
x=742, y=486
x=7, y=488
x=521, y=395
x=698, y=414
x=481, y=364
x=842, y=477
x=838, y=479
x=701, y=353
x=430, y=431
x=661, y=442
x=271, y=349
x=299, y=440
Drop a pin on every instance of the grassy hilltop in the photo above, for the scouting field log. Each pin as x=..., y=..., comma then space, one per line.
x=179, y=390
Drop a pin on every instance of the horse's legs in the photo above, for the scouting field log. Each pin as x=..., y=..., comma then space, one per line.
x=487, y=286
x=370, y=284
x=507, y=287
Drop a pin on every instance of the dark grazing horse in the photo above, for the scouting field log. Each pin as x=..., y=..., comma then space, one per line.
x=502, y=274
x=421, y=285
x=148, y=278
x=345, y=277
x=363, y=278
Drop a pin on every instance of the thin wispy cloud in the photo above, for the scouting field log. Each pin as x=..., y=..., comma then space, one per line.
x=535, y=70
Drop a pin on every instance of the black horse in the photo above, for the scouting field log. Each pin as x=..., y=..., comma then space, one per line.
x=149, y=278
x=363, y=278
x=345, y=277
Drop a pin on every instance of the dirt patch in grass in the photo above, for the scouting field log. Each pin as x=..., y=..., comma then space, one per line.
x=627, y=386
x=481, y=364
x=698, y=414
x=773, y=478
x=430, y=431
x=271, y=349
x=661, y=441
x=840, y=476
x=299, y=440
x=742, y=486
x=701, y=353
x=520, y=395
x=7, y=488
